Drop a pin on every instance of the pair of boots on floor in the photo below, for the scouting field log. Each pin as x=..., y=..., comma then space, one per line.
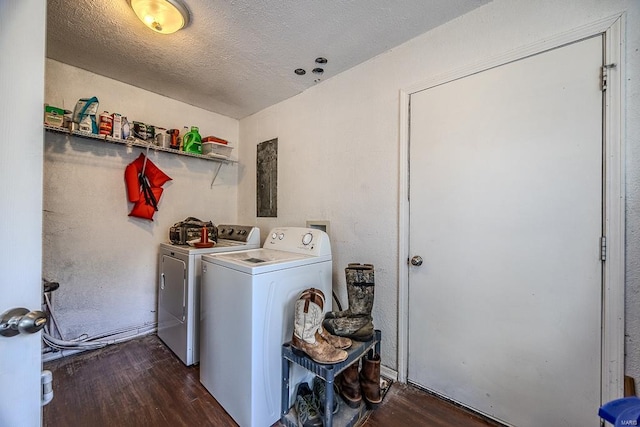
x=353, y=386
x=324, y=338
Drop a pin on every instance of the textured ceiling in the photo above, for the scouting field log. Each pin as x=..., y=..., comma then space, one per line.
x=237, y=57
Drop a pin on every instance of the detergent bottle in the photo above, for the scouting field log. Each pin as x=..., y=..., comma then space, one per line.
x=192, y=141
x=185, y=130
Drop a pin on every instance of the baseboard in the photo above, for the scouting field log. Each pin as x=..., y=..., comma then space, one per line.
x=387, y=372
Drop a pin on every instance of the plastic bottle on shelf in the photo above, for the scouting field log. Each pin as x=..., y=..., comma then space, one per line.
x=126, y=128
x=185, y=130
x=192, y=141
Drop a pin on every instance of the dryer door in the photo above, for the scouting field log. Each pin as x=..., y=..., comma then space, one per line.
x=173, y=288
x=172, y=304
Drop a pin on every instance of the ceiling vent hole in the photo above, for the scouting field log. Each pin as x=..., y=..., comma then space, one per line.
x=300, y=71
x=321, y=60
x=318, y=70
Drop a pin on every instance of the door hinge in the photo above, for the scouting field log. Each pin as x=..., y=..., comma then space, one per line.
x=605, y=75
x=603, y=248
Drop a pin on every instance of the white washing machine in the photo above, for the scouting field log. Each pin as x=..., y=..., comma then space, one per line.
x=247, y=312
x=179, y=288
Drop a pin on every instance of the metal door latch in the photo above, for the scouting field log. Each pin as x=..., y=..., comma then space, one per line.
x=21, y=320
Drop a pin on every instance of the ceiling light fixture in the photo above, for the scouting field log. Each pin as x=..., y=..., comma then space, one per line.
x=162, y=16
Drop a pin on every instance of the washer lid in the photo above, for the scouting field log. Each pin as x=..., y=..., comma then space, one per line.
x=257, y=261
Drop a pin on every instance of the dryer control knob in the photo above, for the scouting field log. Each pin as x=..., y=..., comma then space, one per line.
x=274, y=236
x=307, y=238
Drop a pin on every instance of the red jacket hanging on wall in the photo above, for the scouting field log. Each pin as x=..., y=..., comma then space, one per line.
x=144, y=181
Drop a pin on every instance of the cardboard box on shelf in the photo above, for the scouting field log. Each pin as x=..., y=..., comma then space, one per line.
x=53, y=116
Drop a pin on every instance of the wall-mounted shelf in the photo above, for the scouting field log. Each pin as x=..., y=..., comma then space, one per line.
x=138, y=143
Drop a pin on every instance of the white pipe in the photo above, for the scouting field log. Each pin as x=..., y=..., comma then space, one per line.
x=46, y=379
x=152, y=325
x=84, y=342
x=67, y=348
x=51, y=314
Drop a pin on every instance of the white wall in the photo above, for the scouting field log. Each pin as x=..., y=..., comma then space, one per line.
x=106, y=261
x=338, y=143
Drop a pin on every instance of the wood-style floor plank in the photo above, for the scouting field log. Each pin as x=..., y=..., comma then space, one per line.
x=142, y=383
x=405, y=405
x=136, y=383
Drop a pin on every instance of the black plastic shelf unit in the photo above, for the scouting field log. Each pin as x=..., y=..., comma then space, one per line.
x=347, y=417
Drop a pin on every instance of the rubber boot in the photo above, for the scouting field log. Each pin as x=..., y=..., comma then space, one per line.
x=348, y=386
x=356, y=322
x=306, y=338
x=370, y=381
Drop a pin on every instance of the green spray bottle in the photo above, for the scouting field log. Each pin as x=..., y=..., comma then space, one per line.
x=192, y=141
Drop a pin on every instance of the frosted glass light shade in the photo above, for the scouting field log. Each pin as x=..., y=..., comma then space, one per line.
x=162, y=16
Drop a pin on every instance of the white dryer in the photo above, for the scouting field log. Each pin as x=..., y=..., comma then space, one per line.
x=179, y=288
x=247, y=311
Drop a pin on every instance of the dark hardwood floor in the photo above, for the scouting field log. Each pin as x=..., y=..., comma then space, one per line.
x=142, y=383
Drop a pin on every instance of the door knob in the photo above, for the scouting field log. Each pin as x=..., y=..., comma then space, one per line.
x=21, y=320
x=416, y=260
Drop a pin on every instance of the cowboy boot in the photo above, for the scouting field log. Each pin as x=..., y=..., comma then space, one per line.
x=307, y=321
x=348, y=386
x=341, y=343
x=355, y=322
x=370, y=381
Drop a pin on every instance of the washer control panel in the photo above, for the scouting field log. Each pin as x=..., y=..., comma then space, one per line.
x=298, y=239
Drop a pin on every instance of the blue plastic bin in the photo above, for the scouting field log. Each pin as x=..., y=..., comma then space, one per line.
x=621, y=412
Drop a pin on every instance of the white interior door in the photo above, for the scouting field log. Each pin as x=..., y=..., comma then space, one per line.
x=506, y=212
x=22, y=43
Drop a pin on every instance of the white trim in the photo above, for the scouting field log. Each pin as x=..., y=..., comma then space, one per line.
x=389, y=373
x=403, y=241
x=613, y=275
x=614, y=226
x=589, y=30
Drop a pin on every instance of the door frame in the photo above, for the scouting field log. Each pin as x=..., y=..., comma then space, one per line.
x=613, y=276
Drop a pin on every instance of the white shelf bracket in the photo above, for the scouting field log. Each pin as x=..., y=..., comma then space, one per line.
x=215, y=174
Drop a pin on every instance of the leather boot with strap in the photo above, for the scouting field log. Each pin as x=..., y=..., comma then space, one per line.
x=306, y=337
x=348, y=386
x=338, y=342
